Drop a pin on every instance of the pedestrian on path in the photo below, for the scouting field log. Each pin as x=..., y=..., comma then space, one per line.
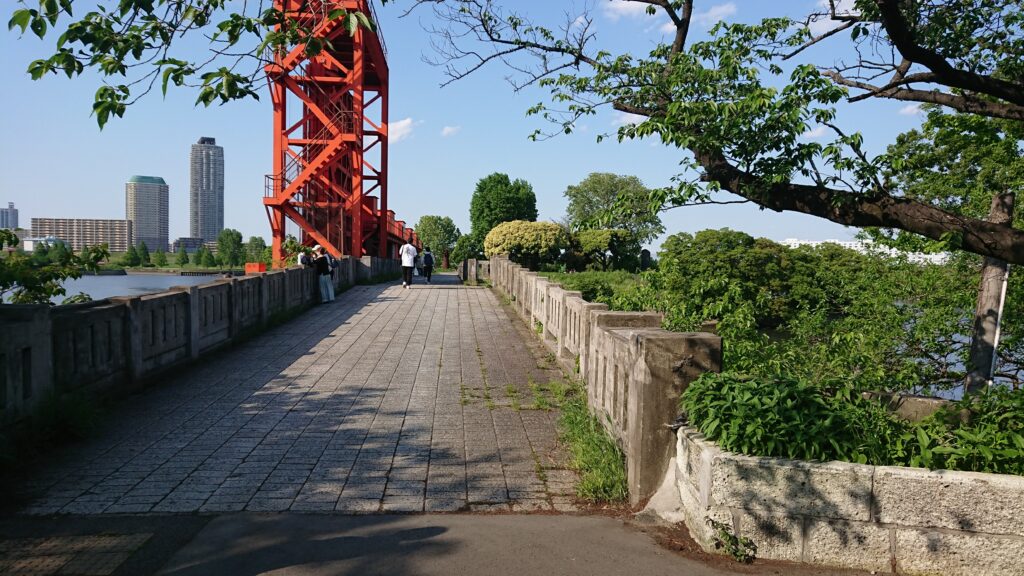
x=428, y=263
x=408, y=255
x=322, y=264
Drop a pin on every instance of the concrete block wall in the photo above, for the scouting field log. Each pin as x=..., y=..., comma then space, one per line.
x=876, y=518
x=634, y=371
x=117, y=344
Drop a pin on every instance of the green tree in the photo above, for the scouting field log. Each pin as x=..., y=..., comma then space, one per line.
x=25, y=281
x=131, y=258
x=160, y=258
x=609, y=249
x=58, y=253
x=182, y=257
x=255, y=249
x=230, y=249
x=198, y=257
x=291, y=249
x=143, y=251
x=144, y=42
x=531, y=244
x=209, y=261
x=969, y=165
x=614, y=202
x=498, y=199
x=41, y=253
x=466, y=248
x=439, y=233
x=739, y=101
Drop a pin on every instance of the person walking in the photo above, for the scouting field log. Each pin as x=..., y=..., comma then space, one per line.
x=408, y=255
x=322, y=264
x=428, y=263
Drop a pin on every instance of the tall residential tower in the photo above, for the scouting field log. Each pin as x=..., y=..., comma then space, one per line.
x=206, y=189
x=9, y=216
x=145, y=199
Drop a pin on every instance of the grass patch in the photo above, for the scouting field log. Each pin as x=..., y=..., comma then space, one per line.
x=595, y=456
x=596, y=286
x=549, y=395
x=513, y=395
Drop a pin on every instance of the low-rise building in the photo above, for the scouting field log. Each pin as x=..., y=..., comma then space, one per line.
x=78, y=233
x=190, y=244
x=29, y=244
x=869, y=247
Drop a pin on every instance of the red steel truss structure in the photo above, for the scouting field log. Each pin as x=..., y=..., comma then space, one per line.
x=331, y=138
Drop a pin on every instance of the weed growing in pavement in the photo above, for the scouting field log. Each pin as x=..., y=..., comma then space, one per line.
x=741, y=549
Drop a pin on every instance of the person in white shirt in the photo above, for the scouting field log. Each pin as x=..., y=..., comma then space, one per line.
x=408, y=255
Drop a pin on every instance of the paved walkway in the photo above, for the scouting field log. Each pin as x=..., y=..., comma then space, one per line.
x=387, y=400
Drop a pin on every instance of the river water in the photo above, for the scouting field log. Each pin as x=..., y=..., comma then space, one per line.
x=99, y=287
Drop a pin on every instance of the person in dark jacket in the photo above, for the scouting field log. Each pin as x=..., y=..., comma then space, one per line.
x=322, y=264
x=428, y=263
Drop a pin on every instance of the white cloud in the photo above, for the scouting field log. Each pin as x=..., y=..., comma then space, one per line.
x=617, y=9
x=450, y=131
x=669, y=27
x=578, y=22
x=400, y=130
x=715, y=14
x=623, y=118
x=911, y=109
x=814, y=134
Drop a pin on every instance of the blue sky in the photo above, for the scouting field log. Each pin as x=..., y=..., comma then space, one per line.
x=57, y=163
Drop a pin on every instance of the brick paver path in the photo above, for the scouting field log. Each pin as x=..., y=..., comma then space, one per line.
x=387, y=400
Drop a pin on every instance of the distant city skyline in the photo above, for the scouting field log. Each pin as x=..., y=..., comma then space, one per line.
x=146, y=206
x=206, y=189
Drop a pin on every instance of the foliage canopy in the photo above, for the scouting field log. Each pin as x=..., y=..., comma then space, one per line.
x=738, y=103
x=528, y=243
x=600, y=193
x=498, y=199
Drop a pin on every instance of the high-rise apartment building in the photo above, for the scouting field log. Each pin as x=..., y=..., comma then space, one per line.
x=9, y=216
x=77, y=233
x=206, y=189
x=146, y=207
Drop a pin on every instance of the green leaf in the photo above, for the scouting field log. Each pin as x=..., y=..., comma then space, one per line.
x=21, y=19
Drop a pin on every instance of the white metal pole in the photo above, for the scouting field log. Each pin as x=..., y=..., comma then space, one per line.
x=999, y=321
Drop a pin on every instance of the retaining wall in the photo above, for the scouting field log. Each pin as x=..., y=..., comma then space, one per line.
x=117, y=343
x=634, y=371
x=877, y=518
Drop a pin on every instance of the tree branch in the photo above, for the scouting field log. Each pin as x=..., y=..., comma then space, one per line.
x=903, y=39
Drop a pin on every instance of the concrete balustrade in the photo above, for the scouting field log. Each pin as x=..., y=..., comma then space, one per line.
x=634, y=371
x=118, y=344
x=878, y=518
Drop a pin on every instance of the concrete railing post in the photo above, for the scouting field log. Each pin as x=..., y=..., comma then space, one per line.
x=264, y=289
x=133, y=330
x=194, y=303
x=666, y=363
x=235, y=302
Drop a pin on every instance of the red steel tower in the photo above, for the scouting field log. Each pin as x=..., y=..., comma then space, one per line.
x=331, y=137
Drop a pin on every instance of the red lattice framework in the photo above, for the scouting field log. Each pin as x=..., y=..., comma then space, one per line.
x=331, y=138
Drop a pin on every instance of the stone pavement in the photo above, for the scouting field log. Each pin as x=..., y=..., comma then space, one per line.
x=387, y=400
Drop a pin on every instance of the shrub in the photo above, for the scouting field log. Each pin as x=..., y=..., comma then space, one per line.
x=789, y=418
x=530, y=244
